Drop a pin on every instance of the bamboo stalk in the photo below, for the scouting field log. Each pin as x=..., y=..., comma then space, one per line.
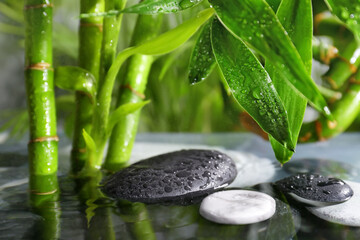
x=110, y=39
x=112, y=26
x=43, y=144
x=344, y=111
x=323, y=51
x=326, y=24
x=90, y=39
x=132, y=90
x=344, y=65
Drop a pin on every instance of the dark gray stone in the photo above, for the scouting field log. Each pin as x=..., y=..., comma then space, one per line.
x=180, y=177
x=315, y=189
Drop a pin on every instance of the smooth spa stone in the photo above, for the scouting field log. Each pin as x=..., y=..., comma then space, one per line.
x=238, y=207
x=315, y=190
x=346, y=213
x=181, y=177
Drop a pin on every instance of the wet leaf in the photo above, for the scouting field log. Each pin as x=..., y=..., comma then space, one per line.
x=76, y=79
x=122, y=111
x=296, y=17
x=274, y=4
x=349, y=12
x=202, y=59
x=250, y=83
x=161, y=6
x=255, y=23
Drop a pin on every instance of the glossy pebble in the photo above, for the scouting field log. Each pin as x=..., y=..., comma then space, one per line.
x=346, y=213
x=237, y=207
x=180, y=177
x=315, y=190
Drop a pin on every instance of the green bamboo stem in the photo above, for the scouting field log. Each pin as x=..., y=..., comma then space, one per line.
x=344, y=111
x=90, y=38
x=326, y=24
x=132, y=90
x=346, y=64
x=110, y=39
x=43, y=144
x=323, y=51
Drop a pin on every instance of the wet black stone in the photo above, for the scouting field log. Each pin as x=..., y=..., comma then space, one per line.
x=180, y=177
x=314, y=189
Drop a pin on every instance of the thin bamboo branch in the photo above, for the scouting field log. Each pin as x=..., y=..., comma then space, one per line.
x=132, y=90
x=344, y=111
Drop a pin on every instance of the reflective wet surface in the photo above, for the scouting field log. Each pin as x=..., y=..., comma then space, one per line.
x=80, y=212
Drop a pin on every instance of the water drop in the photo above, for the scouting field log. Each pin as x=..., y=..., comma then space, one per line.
x=168, y=189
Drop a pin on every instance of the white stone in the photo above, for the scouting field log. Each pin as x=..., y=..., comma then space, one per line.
x=237, y=207
x=346, y=213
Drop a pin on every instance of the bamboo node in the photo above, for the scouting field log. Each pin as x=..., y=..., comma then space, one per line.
x=44, y=139
x=127, y=86
x=332, y=124
x=317, y=19
x=352, y=67
x=331, y=53
x=353, y=80
x=44, y=5
x=79, y=150
x=331, y=82
x=306, y=137
x=98, y=25
x=43, y=193
x=40, y=66
x=318, y=130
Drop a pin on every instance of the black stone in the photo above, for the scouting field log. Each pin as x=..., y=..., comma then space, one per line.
x=314, y=189
x=180, y=177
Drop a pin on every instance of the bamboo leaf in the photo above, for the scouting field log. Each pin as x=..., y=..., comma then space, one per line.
x=162, y=44
x=122, y=111
x=202, y=59
x=296, y=17
x=174, y=38
x=90, y=143
x=161, y=6
x=274, y=4
x=349, y=12
x=267, y=36
x=250, y=84
x=77, y=79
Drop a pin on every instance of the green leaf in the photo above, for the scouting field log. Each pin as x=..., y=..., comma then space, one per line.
x=274, y=4
x=122, y=111
x=161, y=6
x=174, y=38
x=202, y=59
x=77, y=79
x=90, y=143
x=250, y=83
x=296, y=17
x=349, y=12
x=255, y=23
